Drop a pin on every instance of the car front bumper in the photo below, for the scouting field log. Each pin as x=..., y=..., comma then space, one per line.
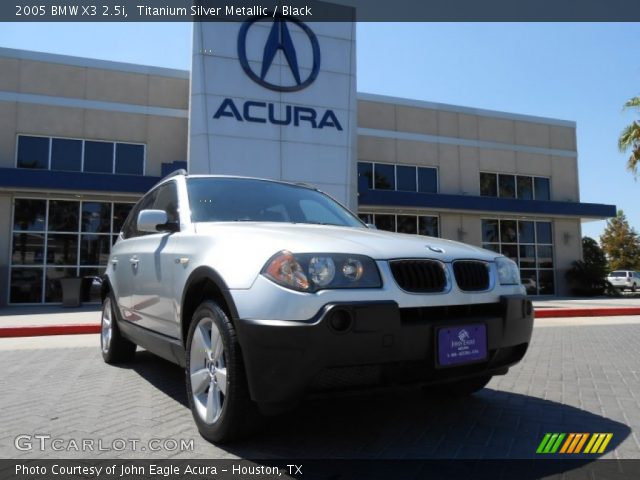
x=369, y=344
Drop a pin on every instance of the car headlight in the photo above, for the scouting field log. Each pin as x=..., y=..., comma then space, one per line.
x=508, y=272
x=310, y=272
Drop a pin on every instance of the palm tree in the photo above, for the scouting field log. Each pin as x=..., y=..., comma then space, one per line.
x=630, y=138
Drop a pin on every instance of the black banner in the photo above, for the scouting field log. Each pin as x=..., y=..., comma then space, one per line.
x=311, y=10
x=318, y=469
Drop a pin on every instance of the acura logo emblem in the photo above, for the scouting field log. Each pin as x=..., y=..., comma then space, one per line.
x=280, y=39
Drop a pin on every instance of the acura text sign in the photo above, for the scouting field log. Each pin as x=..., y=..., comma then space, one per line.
x=275, y=97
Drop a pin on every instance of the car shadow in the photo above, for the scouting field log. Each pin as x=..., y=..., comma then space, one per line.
x=405, y=423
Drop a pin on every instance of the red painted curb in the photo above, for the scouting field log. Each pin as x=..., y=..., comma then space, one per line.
x=587, y=312
x=81, y=329
x=43, y=330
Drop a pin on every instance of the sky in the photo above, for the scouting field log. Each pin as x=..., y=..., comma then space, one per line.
x=582, y=72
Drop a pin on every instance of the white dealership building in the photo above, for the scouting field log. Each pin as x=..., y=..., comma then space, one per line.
x=81, y=139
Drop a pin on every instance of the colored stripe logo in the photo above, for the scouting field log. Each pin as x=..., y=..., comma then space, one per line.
x=574, y=443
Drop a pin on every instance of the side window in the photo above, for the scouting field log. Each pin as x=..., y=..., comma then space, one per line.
x=129, y=229
x=167, y=200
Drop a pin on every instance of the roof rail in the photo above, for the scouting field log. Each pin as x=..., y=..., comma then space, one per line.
x=175, y=173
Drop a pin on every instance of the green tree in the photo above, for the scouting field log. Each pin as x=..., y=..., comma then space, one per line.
x=587, y=277
x=630, y=138
x=621, y=244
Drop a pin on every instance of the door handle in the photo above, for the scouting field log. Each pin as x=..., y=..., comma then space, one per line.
x=134, y=260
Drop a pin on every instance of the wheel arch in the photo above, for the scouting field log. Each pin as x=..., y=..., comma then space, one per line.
x=204, y=283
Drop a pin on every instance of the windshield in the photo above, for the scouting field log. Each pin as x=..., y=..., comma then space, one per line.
x=248, y=200
x=618, y=274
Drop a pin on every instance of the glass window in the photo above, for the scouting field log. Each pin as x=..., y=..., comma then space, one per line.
x=525, y=188
x=510, y=251
x=96, y=217
x=98, y=157
x=120, y=213
x=235, y=199
x=385, y=177
x=542, y=189
x=529, y=279
x=130, y=227
x=406, y=180
x=53, y=285
x=26, y=285
x=428, y=226
x=427, y=180
x=488, y=184
x=543, y=232
x=91, y=284
x=365, y=171
x=33, y=152
x=526, y=232
x=508, y=229
x=167, y=200
x=366, y=218
x=531, y=248
x=62, y=249
x=66, y=154
x=129, y=159
x=546, y=282
x=527, y=256
x=407, y=224
x=490, y=231
x=385, y=222
x=315, y=212
x=29, y=215
x=94, y=249
x=545, y=256
x=63, y=216
x=507, y=185
x=28, y=249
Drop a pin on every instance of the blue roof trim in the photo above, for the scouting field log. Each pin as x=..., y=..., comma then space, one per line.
x=390, y=198
x=57, y=180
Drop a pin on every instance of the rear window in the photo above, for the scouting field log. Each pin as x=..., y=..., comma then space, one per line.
x=618, y=274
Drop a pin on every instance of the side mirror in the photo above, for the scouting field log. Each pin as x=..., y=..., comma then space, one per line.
x=371, y=226
x=154, y=221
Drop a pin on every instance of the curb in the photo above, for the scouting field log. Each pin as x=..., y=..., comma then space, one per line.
x=587, y=312
x=44, y=330
x=88, y=328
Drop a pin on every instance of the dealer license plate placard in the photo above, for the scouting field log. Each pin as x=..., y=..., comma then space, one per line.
x=462, y=344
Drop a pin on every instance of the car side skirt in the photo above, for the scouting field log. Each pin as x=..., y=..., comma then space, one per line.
x=166, y=347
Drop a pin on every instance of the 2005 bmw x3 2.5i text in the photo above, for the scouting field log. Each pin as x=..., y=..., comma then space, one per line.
x=268, y=291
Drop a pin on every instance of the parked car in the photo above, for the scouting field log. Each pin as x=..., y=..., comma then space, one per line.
x=625, y=279
x=267, y=291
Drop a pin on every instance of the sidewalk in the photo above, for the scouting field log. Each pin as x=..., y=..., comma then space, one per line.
x=55, y=320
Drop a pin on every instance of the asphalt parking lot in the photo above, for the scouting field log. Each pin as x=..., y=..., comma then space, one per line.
x=580, y=375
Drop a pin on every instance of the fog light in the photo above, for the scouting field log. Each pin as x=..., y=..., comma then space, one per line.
x=340, y=320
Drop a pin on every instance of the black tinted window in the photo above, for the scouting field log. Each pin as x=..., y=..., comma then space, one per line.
x=66, y=154
x=246, y=200
x=167, y=200
x=98, y=157
x=33, y=152
x=130, y=226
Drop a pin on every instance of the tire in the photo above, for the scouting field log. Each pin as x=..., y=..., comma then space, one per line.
x=633, y=288
x=216, y=382
x=115, y=348
x=464, y=388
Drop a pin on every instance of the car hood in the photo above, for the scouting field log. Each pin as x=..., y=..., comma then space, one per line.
x=270, y=238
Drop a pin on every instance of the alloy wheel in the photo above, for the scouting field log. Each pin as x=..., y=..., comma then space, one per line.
x=208, y=370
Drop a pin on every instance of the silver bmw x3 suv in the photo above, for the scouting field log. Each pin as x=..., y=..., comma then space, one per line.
x=266, y=292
